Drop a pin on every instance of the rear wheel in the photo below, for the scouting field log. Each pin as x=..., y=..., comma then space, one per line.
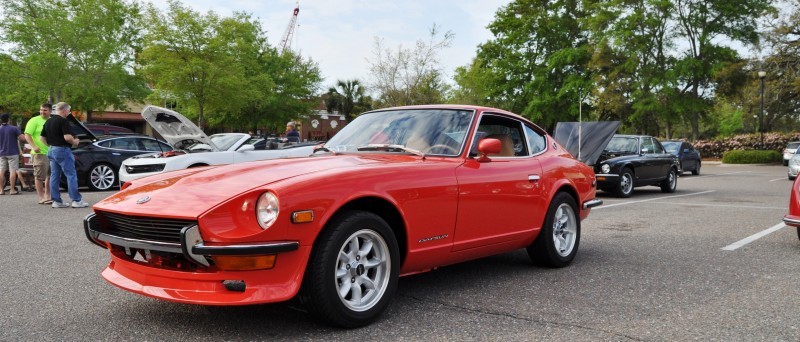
x=353, y=270
x=670, y=183
x=102, y=177
x=696, y=170
x=625, y=186
x=557, y=243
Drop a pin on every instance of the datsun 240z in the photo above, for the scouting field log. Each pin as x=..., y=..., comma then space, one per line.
x=398, y=191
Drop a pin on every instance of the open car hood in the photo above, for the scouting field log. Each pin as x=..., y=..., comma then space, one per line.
x=594, y=137
x=175, y=128
x=79, y=130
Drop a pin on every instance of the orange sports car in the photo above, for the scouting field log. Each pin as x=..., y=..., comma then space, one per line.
x=793, y=217
x=397, y=191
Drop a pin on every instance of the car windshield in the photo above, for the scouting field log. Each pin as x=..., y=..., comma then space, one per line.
x=672, y=147
x=622, y=144
x=225, y=141
x=428, y=131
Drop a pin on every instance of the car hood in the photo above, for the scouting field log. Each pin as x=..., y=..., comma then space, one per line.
x=175, y=128
x=79, y=130
x=585, y=140
x=189, y=193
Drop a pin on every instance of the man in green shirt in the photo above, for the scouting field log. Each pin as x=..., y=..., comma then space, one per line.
x=41, y=165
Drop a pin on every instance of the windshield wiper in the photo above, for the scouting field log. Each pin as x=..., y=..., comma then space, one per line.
x=390, y=148
x=323, y=149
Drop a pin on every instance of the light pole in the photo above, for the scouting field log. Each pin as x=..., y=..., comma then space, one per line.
x=761, y=75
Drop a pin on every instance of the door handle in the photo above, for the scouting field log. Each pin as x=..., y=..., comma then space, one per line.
x=115, y=153
x=533, y=178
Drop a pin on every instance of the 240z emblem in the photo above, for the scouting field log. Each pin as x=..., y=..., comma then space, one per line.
x=143, y=200
x=428, y=239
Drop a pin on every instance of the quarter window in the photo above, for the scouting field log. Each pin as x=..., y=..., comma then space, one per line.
x=536, y=142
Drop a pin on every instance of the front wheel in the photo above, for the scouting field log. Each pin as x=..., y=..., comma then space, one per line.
x=670, y=183
x=625, y=186
x=557, y=243
x=102, y=177
x=353, y=271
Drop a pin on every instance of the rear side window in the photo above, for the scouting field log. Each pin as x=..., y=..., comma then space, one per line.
x=152, y=145
x=536, y=142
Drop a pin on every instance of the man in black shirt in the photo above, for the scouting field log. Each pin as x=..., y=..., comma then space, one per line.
x=57, y=134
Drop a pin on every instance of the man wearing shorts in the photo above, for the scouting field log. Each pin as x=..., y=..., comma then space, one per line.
x=9, y=154
x=41, y=165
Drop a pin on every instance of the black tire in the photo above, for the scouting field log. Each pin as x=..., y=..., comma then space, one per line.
x=696, y=170
x=544, y=250
x=625, y=186
x=785, y=162
x=320, y=289
x=791, y=178
x=669, y=184
x=102, y=177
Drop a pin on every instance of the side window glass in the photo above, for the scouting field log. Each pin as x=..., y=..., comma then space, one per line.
x=123, y=144
x=536, y=142
x=647, y=145
x=151, y=145
x=657, y=148
x=106, y=143
x=508, y=131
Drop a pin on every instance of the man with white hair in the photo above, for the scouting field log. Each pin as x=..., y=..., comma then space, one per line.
x=58, y=135
x=292, y=135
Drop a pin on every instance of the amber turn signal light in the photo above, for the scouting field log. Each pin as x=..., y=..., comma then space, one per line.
x=304, y=216
x=244, y=262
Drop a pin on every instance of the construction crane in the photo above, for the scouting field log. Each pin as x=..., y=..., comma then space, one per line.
x=287, y=35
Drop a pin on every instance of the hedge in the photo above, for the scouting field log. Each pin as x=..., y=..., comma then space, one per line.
x=772, y=141
x=751, y=157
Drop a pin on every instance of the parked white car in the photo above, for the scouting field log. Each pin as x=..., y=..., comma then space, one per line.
x=194, y=148
x=789, y=151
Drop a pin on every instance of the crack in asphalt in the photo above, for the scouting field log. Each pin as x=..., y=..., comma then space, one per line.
x=512, y=316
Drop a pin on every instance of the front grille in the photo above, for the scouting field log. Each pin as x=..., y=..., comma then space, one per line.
x=143, y=228
x=144, y=168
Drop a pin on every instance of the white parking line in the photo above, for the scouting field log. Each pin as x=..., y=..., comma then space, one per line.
x=753, y=237
x=725, y=205
x=651, y=199
x=717, y=174
x=777, y=179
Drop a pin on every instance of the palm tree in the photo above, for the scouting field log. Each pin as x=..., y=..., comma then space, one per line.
x=348, y=98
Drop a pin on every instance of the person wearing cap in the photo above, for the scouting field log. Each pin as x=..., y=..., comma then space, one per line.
x=58, y=136
x=41, y=165
x=9, y=154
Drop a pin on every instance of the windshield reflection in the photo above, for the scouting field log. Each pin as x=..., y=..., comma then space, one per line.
x=429, y=131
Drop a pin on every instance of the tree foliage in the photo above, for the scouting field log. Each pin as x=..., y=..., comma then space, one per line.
x=349, y=98
x=77, y=51
x=223, y=65
x=409, y=76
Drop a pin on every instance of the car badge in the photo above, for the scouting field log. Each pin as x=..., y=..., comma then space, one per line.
x=143, y=200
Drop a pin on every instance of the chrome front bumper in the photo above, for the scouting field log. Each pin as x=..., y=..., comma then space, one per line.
x=592, y=203
x=191, y=246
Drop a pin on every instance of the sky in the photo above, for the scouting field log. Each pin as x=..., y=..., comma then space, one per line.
x=340, y=34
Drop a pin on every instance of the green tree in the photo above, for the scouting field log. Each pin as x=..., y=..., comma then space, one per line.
x=702, y=26
x=198, y=59
x=348, y=97
x=79, y=51
x=537, y=60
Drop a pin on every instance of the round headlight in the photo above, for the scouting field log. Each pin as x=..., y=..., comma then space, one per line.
x=605, y=168
x=267, y=209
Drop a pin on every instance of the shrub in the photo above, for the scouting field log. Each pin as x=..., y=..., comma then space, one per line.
x=751, y=157
x=772, y=141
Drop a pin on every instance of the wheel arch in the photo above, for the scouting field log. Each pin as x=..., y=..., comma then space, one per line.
x=381, y=207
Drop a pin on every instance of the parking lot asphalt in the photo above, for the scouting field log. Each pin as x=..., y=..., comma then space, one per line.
x=651, y=267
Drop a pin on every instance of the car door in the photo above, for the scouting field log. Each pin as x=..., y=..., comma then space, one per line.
x=663, y=159
x=501, y=199
x=649, y=167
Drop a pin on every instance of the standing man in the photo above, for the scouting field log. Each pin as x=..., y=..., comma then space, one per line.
x=41, y=165
x=292, y=135
x=57, y=135
x=9, y=154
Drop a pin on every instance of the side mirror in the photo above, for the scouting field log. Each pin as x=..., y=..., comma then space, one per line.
x=488, y=146
x=247, y=147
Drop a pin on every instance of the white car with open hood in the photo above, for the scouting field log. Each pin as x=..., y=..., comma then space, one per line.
x=194, y=148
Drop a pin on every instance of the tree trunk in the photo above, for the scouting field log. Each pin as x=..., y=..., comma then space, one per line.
x=89, y=115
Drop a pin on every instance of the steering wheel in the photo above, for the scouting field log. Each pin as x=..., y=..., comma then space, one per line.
x=446, y=147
